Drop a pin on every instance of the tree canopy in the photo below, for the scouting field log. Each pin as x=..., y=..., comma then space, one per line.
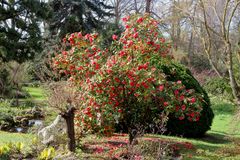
x=20, y=28
x=78, y=15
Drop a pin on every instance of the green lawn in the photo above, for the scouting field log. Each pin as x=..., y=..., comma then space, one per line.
x=6, y=137
x=36, y=93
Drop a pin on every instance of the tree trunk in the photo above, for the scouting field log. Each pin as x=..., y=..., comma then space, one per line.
x=17, y=95
x=190, y=49
x=214, y=66
x=148, y=4
x=234, y=86
x=136, y=7
x=117, y=14
x=233, y=83
x=69, y=117
x=191, y=41
x=132, y=135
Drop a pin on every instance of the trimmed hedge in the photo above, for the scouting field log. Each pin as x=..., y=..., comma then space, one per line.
x=175, y=71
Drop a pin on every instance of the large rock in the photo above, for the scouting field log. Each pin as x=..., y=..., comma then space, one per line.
x=50, y=133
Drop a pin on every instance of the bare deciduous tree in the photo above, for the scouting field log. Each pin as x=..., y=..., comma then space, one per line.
x=65, y=99
x=222, y=30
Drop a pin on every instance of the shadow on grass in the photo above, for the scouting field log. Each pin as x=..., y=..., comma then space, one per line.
x=215, y=138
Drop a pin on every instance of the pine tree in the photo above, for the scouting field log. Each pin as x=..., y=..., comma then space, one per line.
x=78, y=15
x=20, y=31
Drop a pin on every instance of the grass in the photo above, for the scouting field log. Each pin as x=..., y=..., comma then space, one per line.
x=6, y=137
x=36, y=93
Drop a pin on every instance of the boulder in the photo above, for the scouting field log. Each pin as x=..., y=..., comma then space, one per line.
x=50, y=133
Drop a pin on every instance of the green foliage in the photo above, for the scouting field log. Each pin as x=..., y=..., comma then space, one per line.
x=219, y=87
x=8, y=151
x=106, y=34
x=47, y=154
x=72, y=16
x=200, y=63
x=20, y=40
x=5, y=86
x=173, y=72
x=4, y=151
x=12, y=77
x=12, y=116
x=7, y=114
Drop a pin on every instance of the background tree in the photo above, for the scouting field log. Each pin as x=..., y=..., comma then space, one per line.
x=223, y=32
x=20, y=32
x=19, y=73
x=75, y=15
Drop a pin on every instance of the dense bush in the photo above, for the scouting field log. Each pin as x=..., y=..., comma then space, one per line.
x=200, y=63
x=12, y=77
x=175, y=71
x=132, y=85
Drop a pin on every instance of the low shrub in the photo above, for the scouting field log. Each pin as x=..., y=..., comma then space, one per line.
x=11, y=151
x=219, y=87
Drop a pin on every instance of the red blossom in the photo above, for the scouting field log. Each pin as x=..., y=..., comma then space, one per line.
x=165, y=104
x=176, y=92
x=179, y=82
x=125, y=19
x=181, y=117
x=132, y=83
x=127, y=26
x=162, y=40
x=119, y=110
x=161, y=88
x=64, y=52
x=140, y=20
x=122, y=53
x=135, y=35
x=181, y=98
x=193, y=100
x=183, y=107
x=114, y=37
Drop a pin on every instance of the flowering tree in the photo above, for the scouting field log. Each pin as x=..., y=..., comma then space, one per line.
x=124, y=81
